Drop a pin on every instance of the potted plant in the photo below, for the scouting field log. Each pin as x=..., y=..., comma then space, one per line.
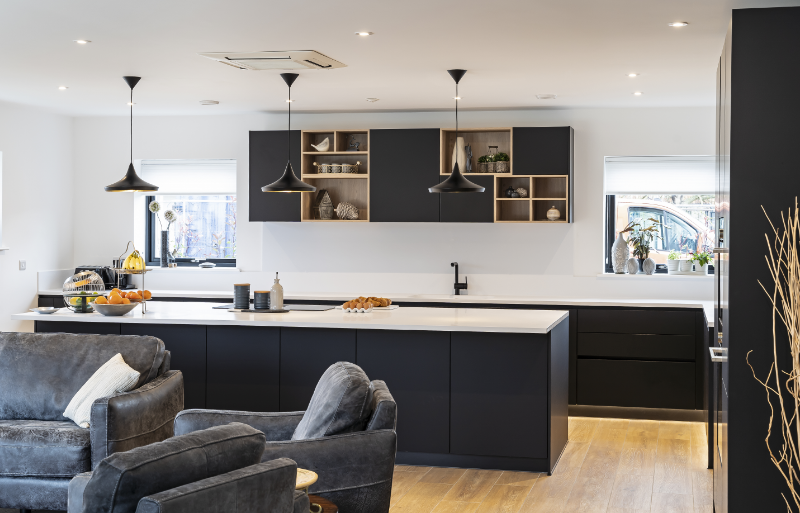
x=483, y=163
x=642, y=238
x=701, y=261
x=673, y=259
x=502, y=163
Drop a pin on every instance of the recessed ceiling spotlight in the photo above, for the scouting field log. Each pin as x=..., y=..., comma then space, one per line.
x=289, y=101
x=456, y=97
x=372, y=100
x=637, y=93
x=209, y=102
x=546, y=96
x=678, y=24
x=62, y=88
x=131, y=104
x=633, y=75
x=364, y=34
x=82, y=41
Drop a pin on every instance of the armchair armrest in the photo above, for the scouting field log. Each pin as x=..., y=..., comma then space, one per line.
x=140, y=417
x=263, y=488
x=276, y=426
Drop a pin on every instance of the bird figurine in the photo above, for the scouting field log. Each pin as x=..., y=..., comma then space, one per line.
x=323, y=146
x=353, y=146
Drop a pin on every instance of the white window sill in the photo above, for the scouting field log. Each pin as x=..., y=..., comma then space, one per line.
x=662, y=277
x=194, y=269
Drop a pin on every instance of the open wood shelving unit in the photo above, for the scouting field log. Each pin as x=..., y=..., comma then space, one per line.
x=544, y=192
x=479, y=139
x=350, y=187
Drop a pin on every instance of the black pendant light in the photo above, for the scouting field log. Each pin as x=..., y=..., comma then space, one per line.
x=131, y=181
x=456, y=182
x=289, y=181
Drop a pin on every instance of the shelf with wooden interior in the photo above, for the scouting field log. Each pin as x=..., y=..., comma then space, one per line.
x=344, y=176
x=543, y=193
x=341, y=188
x=335, y=153
x=479, y=139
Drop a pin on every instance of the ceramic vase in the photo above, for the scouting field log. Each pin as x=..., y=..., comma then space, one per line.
x=649, y=266
x=685, y=266
x=672, y=265
x=553, y=214
x=460, y=155
x=633, y=266
x=164, y=248
x=701, y=269
x=619, y=255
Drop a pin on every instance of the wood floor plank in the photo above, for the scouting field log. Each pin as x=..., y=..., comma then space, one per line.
x=703, y=490
x=698, y=457
x=581, y=429
x=421, y=498
x=551, y=493
x=589, y=495
x=671, y=503
x=402, y=482
x=418, y=470
x=504, y=499
x=698, y=433
x=643, y=428
x=573, y=456
x=443, y=475
x=638, y=456
x=610, y=430
x=602, y=460
x=474, y=485
x=527, y=479
x=672, y=475
x=631, y=493
x=456, y=507
x=673, y=430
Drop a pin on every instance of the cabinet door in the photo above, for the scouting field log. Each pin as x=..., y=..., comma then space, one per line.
x=243, y=368
x=473, y=207
x=542, y=151
x=187, y=344
x=306, y=353
x=416, y=368
x=88, y=328
x=399, y=184
x=267, y=163
x=499, y=392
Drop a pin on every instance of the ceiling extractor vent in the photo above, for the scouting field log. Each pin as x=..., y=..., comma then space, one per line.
x=285, y=60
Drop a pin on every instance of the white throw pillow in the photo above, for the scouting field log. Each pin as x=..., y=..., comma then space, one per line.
x=113, y=377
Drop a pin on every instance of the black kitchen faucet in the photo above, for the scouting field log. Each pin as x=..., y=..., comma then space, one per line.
x=458, y=286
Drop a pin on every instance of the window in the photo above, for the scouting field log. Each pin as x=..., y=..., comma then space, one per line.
x=675, y=191
x=201, y=193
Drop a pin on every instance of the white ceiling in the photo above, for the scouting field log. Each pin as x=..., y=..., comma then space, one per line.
x=581, y=50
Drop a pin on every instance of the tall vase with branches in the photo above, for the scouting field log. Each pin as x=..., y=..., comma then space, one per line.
x=641, y=238
x=169, y=217
x=782, y=383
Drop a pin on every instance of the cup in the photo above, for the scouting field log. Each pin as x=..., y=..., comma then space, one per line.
x=261, y=300
x=241, y=296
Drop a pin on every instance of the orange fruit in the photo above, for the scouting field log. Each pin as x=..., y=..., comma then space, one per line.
x=126, y=301
x=115, y=290
x=147, y=294
x=123, y=294
x=114, y=299
x=140, y=293
x=114, y=293
x=133, y=295
x=101, y=301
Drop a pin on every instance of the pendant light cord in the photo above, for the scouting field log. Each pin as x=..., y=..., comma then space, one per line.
x=456, y=112
x=289, y=134
x=131, y=125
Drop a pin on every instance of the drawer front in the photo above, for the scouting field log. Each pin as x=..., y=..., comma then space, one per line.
x=633, y=347
x=636, y=384
x=652, y=322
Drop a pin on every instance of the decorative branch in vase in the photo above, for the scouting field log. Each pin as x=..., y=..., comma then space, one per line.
x=641, y=239
x=169, y=216
x=782, y=385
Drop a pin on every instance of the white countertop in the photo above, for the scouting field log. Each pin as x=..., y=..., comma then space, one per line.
x=403, y=318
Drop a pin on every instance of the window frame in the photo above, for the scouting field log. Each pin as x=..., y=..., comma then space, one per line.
x=150, y=243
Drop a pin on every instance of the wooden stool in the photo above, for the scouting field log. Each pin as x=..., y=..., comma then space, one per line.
x=322, y=505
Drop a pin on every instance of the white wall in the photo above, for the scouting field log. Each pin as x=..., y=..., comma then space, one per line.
x=37, y=206
x=532, y=260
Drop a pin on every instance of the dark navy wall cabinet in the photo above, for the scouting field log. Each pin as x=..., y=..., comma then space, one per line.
x=267, y=163
x=472, y=207
x=543, y=150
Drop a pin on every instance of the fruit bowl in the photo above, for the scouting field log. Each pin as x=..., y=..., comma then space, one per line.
x=114, y=310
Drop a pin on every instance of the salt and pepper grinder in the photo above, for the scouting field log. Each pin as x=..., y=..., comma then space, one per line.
x=276, y=295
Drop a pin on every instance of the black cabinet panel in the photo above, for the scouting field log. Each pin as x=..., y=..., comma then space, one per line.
x=399, y=186
x=49, y=302
x=243, y=368
x=416, y=367
x=644, y=347
x=267, y=163
x=499, y=391
x=305, y=354
x=636, y=384
x=542, y=151
x=473, y=207
x=89, y=328
x=187, y=344
x=649, y=321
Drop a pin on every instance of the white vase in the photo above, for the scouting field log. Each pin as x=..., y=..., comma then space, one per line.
x=460, y=155
x=619, y=255
x=672, y=265
x=701, y=269
x=649, y=266
x=632, y=265
x=685, y=266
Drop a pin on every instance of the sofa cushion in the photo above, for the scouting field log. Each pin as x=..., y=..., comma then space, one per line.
x=113, y=377
x=41, y=372
x=43, y=448
x=342, y=403
x=122, y=479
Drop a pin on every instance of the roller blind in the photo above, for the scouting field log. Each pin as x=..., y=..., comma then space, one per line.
x=675, y=174
x=209, y=176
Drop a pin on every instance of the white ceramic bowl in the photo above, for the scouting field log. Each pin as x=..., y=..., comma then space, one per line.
x=45, y=310
x=114, y=310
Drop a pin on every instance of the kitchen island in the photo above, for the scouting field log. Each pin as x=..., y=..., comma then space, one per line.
x=482, y=388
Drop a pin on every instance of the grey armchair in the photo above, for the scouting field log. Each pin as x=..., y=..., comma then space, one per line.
x=355, y=467
x=40, y=450
x=209, y=471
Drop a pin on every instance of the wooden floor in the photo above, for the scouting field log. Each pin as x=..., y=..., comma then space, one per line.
x=609, y=466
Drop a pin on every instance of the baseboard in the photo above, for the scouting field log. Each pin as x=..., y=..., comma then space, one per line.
x=621, y=412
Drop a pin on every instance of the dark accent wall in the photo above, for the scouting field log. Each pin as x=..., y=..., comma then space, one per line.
x=764, y=170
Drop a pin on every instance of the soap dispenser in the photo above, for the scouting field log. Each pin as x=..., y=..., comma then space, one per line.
x=276, y=295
